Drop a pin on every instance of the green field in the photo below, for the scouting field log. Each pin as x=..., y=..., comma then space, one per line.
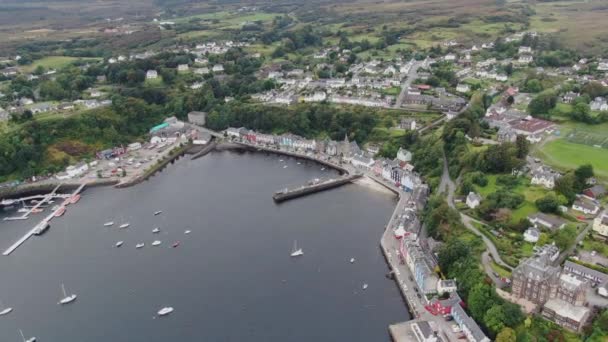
x=54, y=62
x=567, y=155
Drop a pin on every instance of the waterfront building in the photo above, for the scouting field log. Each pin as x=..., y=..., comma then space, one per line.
x=235, y=132
x=468, y=326
x=362, y=161
x=446, y=286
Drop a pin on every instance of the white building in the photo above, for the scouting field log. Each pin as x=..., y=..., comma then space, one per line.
x=524, y=49
x=404, y=155
x=531, y=235
x=151, y=74
x=599, y=104
x=600, y=224
x=218, y=68
x=446, y=286
x=77, y=170
x=525, y=59
x=463, y=88
x=585, y=206
x=473, y=200
x=182, y=67
x=544, y=178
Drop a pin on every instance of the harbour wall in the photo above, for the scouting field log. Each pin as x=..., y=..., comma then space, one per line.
x=311, y=189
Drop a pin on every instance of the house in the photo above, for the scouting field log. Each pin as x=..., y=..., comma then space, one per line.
x=404, y=155
x=531, y=235
x=599, y=104
x=362, y=161
x=446, y=286
x=473, y=200
x=600, y=224
x=235, y=132
x=525, y=59
x=550, y=222
x=197, y=118
x=182, y=67
x=585, y=206
x=565, y=314
x=530, y=126
x=134, y=146
x=534, y=277
x=593, y=276
x=545, y=178
x=597, y=191
x=25, y=101
x=569, y=97
x=463, y=88
x=468, y=326
x=450, y=57
x=196, y=85
x=506, y=134
x=524, y=49
x=602, y=65
x=42, y=108
x=408, y=124
x=151, y=74
x=218, y=68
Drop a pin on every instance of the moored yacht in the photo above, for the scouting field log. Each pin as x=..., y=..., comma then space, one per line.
x=165, y=311
x=156, y=243
x=4, y=310
x=108, y=224
x=119, y=243
x=66, y=299
x=296, y=251
x=124, y=225
x=156, y=230
x=31, y=339
x=139, y=245
x=158, y=212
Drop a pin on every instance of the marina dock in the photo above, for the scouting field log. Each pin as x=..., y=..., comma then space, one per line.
x=288, y=194
x=44, y=221
x=45, y=198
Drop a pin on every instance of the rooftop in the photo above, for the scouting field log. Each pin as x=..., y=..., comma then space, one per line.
x=565, y=309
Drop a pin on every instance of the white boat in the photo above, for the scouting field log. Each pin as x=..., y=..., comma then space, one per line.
x=140, y=245
x=31, y=339
x=352, y=260
x=124, y=225
x=119, y=243
x=108, y=224
x=3, y=310
x=158, y=212
x=66, y=299
x=156, y=230
x=322, y=169
x=364, y=286
x=299, y=163
x=165, y=311
x=296, y=251
x=280, y=160
x=284, y=166
x=156, y=243
x=187, y=232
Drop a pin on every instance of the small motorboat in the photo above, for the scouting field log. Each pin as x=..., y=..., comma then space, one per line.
x=165, y=311
x=4, y=310
x=322, y=169
x=187, y=232
x=284, y=166
x=36, y=211
x=60, y=211
x=66, y=299
x=364, y=286
x=280, y=160
x=156, y=243
x=31, y=339
x=156, y=213
x=156, y=230
x=299, y=163
x=352, y=260
x=124, y=225
x=140, y=245
x=175, y=244
x=295, y=252
x=119, y=243
x=108, y=224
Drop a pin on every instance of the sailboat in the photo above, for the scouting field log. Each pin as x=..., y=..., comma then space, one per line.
x=156, y=243
x=364, y=286
x=187, y=232
x=108, y=224
x=3, y=310
x=156, y=230
x=124, y=225
x=31, y=339
x=296, y=251
x=119, y=243
x=352, y=260
x=66, y=299
x=139, y=245
x=158, y=212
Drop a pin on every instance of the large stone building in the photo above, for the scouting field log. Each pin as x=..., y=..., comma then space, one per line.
x=534, y=277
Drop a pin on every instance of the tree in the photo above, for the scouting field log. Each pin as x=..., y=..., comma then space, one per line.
x=506, y=335
x=583, y=173
x=548, y=204
x=565, y=237
x=542, y=104
x=494, y=318
x=523, y=146
x=480, y=300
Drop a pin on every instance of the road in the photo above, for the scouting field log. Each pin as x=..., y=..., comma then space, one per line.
x=411, y=76
x=448, y=184
x=578, y=239
x=403, y=276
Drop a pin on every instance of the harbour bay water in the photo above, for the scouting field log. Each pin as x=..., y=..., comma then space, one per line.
x=231, y=279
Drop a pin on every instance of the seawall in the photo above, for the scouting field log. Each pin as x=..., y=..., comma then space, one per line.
x=311, y=189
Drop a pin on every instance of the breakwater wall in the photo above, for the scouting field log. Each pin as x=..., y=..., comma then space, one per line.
x=37, y=188
x=311, y=189
x=205, y=150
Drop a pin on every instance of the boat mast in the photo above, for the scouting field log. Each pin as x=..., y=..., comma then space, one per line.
x=64, y=293
x=23, y=337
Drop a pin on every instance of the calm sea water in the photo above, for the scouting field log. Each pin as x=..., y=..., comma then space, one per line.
x=231, y=279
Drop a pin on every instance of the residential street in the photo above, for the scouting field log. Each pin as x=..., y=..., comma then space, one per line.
x=411, y=76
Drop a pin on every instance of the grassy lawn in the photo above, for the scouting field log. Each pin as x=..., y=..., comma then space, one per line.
x=54, y=62
x=501, y=271
x=566, y=155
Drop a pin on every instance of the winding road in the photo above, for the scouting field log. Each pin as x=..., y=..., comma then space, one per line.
x=449, y=185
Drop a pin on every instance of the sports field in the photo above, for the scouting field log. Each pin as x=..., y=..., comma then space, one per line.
x=564, y=155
